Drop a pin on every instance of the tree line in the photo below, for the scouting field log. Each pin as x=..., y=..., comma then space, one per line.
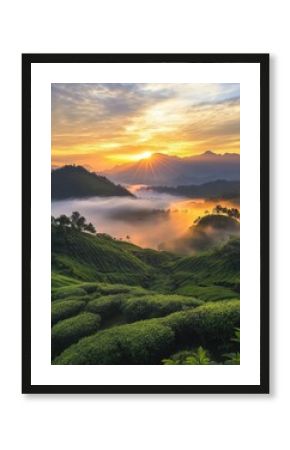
x=231, y=212
x=76, y=222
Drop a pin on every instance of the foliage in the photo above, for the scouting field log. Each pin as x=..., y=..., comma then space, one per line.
x=67, y=292
x=75, y=222
x=68, y=331
x=232, y=358
x=106, y=306
x=63, y=309
x=207, y=293
x=210, y=325
x=200, y=356
x=156, y=305
x=236, y=337
x=215, y=268
x=114, y=282
x=138, y=343
x=150, y=341
x=231, y=212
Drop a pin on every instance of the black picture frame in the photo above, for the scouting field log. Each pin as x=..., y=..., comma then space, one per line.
x=27, y=61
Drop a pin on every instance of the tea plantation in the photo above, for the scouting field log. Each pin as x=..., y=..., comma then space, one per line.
x=116, y=303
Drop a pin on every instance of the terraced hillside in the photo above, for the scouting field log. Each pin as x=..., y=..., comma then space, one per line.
x=116, y=303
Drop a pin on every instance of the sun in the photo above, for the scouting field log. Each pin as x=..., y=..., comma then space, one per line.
x=143, y=155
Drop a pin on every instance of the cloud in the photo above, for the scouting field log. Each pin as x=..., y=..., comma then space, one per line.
x=111, y=119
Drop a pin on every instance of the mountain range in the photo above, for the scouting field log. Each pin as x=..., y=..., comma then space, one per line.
x=166, y=170
x=214, y=190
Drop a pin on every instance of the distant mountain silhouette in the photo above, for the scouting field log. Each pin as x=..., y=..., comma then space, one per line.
x=219, y=189
x=161, y=169
x=77, y=182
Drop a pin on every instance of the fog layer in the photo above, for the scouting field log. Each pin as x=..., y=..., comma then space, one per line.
x=147, y=220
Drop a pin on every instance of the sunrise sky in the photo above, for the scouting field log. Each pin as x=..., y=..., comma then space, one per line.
x=102, y=125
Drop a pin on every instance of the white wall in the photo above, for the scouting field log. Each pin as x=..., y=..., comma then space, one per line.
x=141, y=421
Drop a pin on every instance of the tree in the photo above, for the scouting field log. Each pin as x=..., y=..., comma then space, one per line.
x=78, y=221
x=90, y=228
x=81, y=223
x=74, y=218
x=217, y=209
x=63, y=221
x=53, y=220
x=231, y=212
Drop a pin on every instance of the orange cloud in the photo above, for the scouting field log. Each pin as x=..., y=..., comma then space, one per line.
x=99, y=125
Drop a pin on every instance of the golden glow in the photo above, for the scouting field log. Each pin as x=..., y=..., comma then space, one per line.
x=144, y=155
x=101, y=125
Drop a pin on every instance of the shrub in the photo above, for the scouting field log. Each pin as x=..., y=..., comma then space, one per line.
x=139, y=343
x=108, y=289
x=211, y=324
x=158, y=305
x=68, y=331
x=232, y=359
x=91, y=288
x=207, y=293
x=199, y=356
x=150, y=341
x=107, y=306
x=63, y=309
x=70, y=291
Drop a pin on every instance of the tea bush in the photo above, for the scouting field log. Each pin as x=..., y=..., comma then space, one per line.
x=68, y=331
x=107, y=306
x=70, y=291
x=139, y=343
x=209, y=324
x=63, y=309
x=158, y=305
x=149, y=342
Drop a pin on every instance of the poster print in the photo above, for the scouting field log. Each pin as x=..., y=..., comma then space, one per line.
x=146, y=220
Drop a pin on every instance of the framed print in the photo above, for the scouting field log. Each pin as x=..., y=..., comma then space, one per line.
x=145, y=223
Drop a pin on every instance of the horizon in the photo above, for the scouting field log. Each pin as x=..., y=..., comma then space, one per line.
x=101, y=126
x=85, y=166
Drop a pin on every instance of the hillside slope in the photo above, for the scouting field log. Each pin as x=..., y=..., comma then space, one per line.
x=83, y=257
x=77, y=182
x=219, y=189
x=116, y=303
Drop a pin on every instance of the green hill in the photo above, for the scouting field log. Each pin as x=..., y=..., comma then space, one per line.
x=217, y=222
x=77, y=182
x=209, y=231
x=124, y=294
x=84, y=257
x=210, y=271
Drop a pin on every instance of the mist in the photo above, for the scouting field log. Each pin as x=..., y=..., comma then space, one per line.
x=147, y=220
